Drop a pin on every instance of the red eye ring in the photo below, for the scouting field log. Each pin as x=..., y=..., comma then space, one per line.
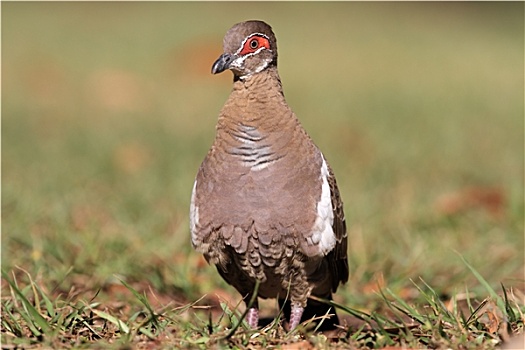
x=254, y=43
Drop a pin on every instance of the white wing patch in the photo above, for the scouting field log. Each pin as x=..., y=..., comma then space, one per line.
x=194, y=214
x=323, y=234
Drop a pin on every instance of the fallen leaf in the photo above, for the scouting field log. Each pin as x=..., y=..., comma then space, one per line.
x=491, y=317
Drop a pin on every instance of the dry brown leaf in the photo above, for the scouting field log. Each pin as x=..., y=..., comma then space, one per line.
x=491, y=317
x=493, y=323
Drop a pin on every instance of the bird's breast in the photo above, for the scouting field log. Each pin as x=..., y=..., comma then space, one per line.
x=251, y=148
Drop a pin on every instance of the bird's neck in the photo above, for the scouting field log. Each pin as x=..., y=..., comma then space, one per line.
x=256, y=100
x=256, y=122
x=259, y=82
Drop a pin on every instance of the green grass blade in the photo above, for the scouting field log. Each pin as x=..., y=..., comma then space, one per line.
x=437, y=300
x=9, y=321
x=510, y=313
x=49, y=305
x=120, y=324
x=38, y=319
x=485, y=284
x=405, y=308
x=250, y=303
x=363, y=316
x=144, y=301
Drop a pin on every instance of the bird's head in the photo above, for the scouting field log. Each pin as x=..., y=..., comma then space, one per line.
x=249, y=48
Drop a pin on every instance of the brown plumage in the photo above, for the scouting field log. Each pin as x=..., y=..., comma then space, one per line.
x=265, y=204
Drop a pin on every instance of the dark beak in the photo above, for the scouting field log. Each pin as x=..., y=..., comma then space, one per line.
x=222, y=63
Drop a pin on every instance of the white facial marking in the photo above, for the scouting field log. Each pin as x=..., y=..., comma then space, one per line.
x=239, y=61
x=323, y=233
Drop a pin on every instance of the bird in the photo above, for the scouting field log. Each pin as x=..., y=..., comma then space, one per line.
x=265, y=207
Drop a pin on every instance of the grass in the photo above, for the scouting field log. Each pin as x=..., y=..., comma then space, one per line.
x=65, y=323
x=107, y=112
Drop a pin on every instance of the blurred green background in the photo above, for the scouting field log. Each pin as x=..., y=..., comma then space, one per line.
x=109, y=108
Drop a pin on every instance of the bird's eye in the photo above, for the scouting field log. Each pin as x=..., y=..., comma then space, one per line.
x=254, y=43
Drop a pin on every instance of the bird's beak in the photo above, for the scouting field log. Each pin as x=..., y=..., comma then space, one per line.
x=222, y=63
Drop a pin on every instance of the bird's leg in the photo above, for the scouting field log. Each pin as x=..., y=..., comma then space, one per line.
x=252, y=316
x=295, y=316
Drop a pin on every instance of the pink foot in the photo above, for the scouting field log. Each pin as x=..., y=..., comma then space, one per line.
x=295, y=316
x=252, y=317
